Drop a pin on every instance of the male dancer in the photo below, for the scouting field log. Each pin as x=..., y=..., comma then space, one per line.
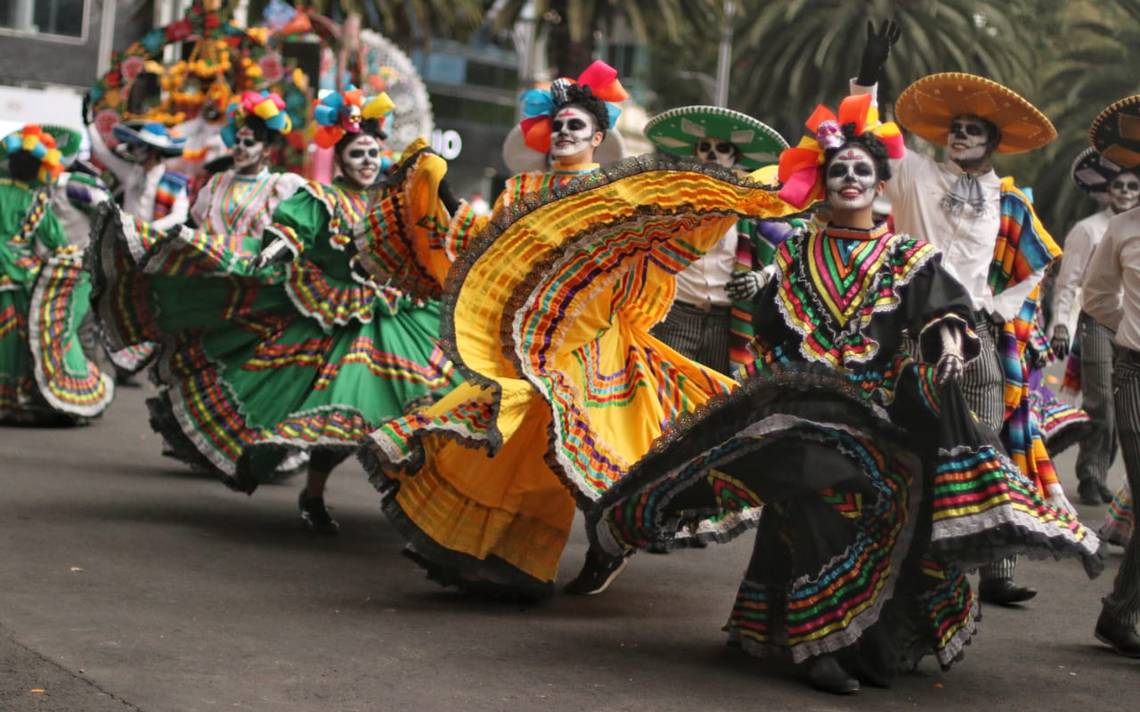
x=976, y=219
x=1094, y=174
x=711, y=318
x=1111, y=296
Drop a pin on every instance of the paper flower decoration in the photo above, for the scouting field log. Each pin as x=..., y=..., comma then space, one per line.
x=801, y=167
x=40, y=144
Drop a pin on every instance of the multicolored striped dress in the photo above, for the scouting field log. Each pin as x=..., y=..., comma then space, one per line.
x=45, y=376
x=548, y=317
x=307, y=356
x=876, y=489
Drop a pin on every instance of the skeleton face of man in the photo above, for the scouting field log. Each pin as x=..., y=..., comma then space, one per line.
x=715, y=150
x=852, y=181
x=1124, y=192
x=248, y=151
x=360, y=160
x=574, y=136
x=969, y=140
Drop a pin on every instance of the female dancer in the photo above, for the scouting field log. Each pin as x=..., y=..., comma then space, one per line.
x=876, y=485
x=44, y=374
x=289, y=350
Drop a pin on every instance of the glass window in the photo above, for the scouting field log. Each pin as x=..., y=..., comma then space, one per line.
x=64, y=18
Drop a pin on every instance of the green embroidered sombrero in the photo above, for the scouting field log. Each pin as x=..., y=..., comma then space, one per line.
x=679, y=130
x=1115, y=133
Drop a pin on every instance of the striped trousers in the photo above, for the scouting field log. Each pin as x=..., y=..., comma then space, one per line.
x=1098, y=450
x=1123, y=604
x=700, y=335
x=983, y=385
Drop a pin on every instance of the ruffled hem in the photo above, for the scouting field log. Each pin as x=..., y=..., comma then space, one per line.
x=50, y=329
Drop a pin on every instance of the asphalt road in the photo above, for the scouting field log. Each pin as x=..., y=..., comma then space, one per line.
x=128, y=583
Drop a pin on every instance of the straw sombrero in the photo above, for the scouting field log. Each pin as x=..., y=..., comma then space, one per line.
x=1116, y=132
x=679, y=130
x=926, y=107
x=150, y=134
x=521, y=158
x=1092, y=172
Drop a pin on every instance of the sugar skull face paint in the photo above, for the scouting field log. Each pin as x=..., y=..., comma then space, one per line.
x=360, y=160
x=715, y=150
x=1124, y=192
x=969, y=140
x=573, y=135
x=248, y=152
x=852, y=182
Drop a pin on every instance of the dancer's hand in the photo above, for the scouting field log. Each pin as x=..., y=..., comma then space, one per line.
x=951, y=364
x=876, y=51
x=1055, y=495
x=746, y=285
x=277, y=251
x=447, y=197
x=1061, y=342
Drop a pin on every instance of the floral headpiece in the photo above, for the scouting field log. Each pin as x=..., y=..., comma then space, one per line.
x=41, y=144
x=801, y=167
x=266, y=106
x=341, y=113
x=540, y=105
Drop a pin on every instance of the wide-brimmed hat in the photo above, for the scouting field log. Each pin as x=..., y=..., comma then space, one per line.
x=149, y=133
x=1115, y=132
x=926, y=107
x=1092, y=172
x=679, y=130
x=521, y=158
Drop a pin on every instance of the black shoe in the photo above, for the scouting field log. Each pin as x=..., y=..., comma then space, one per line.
x=597, y=573
x=316, y=515
x=827, y=675
x=1004, y=592
x=1089, y=492
x=1106, y=494
x=1124, y=640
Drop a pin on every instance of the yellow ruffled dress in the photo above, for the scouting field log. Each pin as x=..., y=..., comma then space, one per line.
x=547, y=315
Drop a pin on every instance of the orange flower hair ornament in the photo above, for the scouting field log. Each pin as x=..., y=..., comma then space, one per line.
x=342, y=113
x=41, y=144
x=801, y=167
x=268, y=107
x=540, y=105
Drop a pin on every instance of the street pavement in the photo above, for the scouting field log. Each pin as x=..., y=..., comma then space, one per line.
x=130, y=583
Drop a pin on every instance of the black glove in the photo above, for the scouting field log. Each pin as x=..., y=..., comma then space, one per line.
x=88, y=117
x=274, y=252
x=876, y=51
x=449, y=200
x=1061, y=341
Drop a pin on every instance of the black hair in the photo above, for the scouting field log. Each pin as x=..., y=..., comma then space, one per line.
x=23, y=166
x=870, y=143
x=261, y=132
x=367, y=126
x=583, y=98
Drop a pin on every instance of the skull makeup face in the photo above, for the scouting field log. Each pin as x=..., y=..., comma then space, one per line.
x=359, y=160
x=1124, y=192
x=573, y=136
x=969, y=141
x=852, y=181
x=715, y=150
x=248, y=152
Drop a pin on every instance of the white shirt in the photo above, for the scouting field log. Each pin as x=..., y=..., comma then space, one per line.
x=1080, y=243
x=703, y=282
x=140, y=186
x=1111, y=288
x=966, y=239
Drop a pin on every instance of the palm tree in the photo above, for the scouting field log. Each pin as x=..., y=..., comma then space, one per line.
x=793, y=55
x=575, y=25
